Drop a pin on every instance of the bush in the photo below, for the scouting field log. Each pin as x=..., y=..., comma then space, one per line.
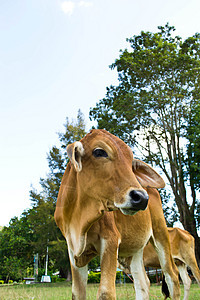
x=10, y=281
x=61, y=279
x=1, y=282
x=54, y=278
x=94, y=277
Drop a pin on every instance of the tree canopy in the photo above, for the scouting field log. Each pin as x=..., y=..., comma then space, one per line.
x=155, y=109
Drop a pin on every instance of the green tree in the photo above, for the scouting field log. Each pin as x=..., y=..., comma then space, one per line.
x=151, y=109
x=15, y=248
x=41, y=216
x=193, y=146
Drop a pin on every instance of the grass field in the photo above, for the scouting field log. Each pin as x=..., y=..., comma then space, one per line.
x=62, y=290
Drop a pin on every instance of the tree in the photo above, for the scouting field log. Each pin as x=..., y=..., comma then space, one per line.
x=152, y=109
x=15, y=248
x=42, y=213
x=193, y=153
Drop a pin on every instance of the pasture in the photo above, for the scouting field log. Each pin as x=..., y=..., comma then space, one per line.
x=62, y=290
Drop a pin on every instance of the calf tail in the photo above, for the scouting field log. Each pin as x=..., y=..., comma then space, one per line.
x=165, y=289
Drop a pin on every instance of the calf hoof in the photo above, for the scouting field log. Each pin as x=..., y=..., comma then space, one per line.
x=106, y=296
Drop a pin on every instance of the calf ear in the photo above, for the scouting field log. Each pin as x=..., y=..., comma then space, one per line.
x=146, y=175
x=75, y=151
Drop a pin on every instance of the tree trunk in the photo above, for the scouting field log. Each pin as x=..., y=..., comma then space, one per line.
x=191, y=228
x=66, y=273
x=69, y=275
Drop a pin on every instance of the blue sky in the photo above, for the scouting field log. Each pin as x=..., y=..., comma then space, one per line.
x=54, y=59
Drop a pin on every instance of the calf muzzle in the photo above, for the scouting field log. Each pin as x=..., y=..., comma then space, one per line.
x=138, y=200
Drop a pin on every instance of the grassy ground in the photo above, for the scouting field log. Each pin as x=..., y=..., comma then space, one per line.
x=61, y=291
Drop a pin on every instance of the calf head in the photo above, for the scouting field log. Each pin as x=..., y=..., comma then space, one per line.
x=102, y=175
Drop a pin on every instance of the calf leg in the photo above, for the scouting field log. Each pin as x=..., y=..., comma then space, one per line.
x=79, y=279
x=192, y=264
x=108, y=255
x=162, y=244
x=186, y=280
x=141, y=280
x=168, y=267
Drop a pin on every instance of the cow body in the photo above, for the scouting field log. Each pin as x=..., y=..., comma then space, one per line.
x=183, y=253
x=108, y=206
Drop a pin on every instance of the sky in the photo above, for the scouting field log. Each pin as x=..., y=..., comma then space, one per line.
x=54, y=60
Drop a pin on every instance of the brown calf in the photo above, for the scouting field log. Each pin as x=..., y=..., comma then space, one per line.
x=102, y=176
x=183, y=253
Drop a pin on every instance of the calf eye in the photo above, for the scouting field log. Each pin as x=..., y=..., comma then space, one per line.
x=98, y=152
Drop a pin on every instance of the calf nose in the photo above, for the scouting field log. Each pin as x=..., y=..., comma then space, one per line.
x=138, y=199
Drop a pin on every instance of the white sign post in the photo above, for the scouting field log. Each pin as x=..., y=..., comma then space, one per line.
x=46, y=278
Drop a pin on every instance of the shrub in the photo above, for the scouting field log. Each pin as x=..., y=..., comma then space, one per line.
x=54, y=278
x=41, y=272
x=1, y=282
x=10, y=281
x=94, y=277
x=61, y=279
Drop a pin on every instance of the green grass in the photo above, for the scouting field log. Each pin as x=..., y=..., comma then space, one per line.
x=62, y=290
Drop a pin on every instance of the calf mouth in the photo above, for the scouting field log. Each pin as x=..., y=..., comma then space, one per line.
x=128, y=212
x=135, y=200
